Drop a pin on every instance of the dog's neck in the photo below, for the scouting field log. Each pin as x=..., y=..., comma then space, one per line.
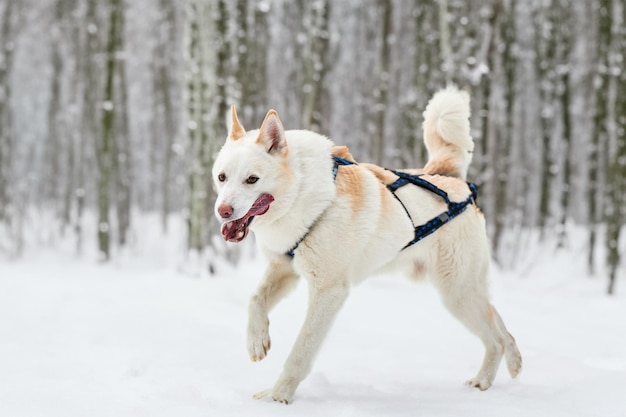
x=308, y=194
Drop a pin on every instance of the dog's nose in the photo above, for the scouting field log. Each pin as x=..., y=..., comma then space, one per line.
x=225, y=210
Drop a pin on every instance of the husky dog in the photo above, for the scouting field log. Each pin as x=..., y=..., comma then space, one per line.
x=318, y=214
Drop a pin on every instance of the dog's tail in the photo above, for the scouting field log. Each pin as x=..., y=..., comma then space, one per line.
x=447, y=133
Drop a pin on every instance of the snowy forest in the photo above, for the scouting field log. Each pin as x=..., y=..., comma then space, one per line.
x=113, y=110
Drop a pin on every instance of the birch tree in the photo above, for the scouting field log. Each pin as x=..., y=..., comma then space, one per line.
x=207, y=51
x=381, y=91
x=106, y=144
x=7, y=32
x=315, y=65
x=615, y=212
x=165, y=117
x=564, y=37
x=250, y=60
x=600, y=128
x=197, y=85
x=51, y=188
x=11, y=239
x=122, y=152
x=87, y=44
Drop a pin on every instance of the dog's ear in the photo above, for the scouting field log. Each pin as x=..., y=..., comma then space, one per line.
x=236, y=129
x=272, y=134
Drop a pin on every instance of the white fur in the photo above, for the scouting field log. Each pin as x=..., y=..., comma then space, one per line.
x=446, y=119
x=355, y=233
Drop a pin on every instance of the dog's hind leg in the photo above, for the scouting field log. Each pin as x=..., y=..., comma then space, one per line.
x=278, y=280
x=464, y=293
x=325, y=300
x=497, y=340
x=511, y=352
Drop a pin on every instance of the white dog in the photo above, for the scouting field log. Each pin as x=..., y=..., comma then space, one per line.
x=318, y=214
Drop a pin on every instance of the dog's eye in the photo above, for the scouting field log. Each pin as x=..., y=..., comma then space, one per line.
x=221, y=177
x=252, y=179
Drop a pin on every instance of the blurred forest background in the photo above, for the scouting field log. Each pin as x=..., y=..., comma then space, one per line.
x=111, y=110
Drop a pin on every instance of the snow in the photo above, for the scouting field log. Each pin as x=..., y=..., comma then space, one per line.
x=137, y=338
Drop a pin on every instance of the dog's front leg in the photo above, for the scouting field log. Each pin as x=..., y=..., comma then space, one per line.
x=324, y=303
x=278, y=279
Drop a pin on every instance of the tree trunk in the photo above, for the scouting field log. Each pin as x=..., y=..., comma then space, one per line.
x=545, y=47
x=424, y=61
x=444, y=41
x=198, y=96
x=615, y=212
x=6, y=111
x=163, y=86
x=88, y=44
x=315, y=65
x=122, y=157
x=106, y=143
x=567, y=140
x=55, y=145
x=599, y=131
x=381, y=91
x=499, y=109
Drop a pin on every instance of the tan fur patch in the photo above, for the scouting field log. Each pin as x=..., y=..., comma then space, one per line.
x=350, y=183
x=342, y=152
x=385, y=199
x=384, y=176
x=236, y=130
x=415, y=171
x=432, y=140
x=446, y=166
x=284, y=166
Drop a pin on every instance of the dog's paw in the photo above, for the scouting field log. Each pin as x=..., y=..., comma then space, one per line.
x=513, y=361
x=482, y=384
x=262, y=394
x=259, y=342
x=282, y=396
x=283, y=390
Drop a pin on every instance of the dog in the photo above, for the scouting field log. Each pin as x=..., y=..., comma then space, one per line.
x=318, y=214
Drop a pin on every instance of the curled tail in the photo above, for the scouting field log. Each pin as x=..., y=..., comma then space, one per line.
x=447, y=133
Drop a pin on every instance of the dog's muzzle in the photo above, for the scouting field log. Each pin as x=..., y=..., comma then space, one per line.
x=237, y=230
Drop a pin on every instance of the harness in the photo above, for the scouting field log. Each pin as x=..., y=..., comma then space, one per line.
x=431, y=226
x=423, y=230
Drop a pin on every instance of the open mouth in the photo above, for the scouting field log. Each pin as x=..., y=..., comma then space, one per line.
x=237, y=230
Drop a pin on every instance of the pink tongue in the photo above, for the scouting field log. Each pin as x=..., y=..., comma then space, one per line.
x=236, y=230
x=261, y=205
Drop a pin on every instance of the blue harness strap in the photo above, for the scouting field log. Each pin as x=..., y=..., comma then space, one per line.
x=431, y=226
x=340, y=161
x=421, y=231
x=337, y=162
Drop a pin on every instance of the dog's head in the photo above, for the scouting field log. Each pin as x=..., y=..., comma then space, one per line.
x=248, y=172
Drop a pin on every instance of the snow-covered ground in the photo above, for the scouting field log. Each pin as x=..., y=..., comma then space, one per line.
x=138, y=338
